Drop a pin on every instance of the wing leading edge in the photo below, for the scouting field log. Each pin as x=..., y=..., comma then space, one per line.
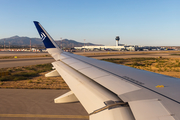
x=111, y=91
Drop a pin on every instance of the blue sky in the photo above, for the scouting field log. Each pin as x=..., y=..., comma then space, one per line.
x=137, y=22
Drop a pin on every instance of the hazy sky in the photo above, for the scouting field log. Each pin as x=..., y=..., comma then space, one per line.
x=137, y=22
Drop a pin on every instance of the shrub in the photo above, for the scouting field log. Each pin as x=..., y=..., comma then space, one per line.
x=5, y=78
x=20, y=78
x=30, y=81
x=37, y=82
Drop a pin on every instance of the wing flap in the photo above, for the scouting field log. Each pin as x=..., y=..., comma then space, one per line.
x=80, y=65
x=93, y=72
x=116, y=84
x=70, y=61
x=150, y=110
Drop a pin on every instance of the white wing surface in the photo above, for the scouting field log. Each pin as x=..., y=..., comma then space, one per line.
x=114, y=92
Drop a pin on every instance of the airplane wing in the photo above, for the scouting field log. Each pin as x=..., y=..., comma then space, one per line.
x=110, y=91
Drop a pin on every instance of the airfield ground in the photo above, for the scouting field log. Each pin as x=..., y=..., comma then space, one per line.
x=35, y=99
x=33, y=76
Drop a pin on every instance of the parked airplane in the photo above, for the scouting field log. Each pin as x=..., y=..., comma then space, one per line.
x=110, y=91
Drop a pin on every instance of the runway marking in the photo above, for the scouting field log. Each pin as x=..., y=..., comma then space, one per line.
x=44, y=116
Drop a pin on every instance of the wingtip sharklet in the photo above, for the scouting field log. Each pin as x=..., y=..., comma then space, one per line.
x=47, y=40
x=35, y=21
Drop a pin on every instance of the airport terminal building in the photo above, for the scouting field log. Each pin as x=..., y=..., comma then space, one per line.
x=120, y=47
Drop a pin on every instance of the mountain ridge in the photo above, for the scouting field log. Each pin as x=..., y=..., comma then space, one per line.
x=35, y=42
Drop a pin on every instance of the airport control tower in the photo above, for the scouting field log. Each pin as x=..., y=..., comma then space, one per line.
x=117, y=40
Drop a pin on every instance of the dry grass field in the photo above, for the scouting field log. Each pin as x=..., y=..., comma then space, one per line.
x=23, y=56
x=33, y=77
x=166, y=66
x=90, y=53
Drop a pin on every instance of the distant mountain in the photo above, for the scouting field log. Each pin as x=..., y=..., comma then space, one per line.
x=37, y=42
x=72, y=43
x=21, y=41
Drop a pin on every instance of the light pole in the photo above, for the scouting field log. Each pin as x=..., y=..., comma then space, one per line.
x=9, y=45
x=84, y=45
x=30, y=45
x=61, y=43
x=4, y=44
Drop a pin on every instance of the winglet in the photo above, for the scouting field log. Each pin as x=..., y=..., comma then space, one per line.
x=49, y=43
x=46, y=38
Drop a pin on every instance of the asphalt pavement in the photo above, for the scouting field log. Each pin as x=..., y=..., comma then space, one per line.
x=15, y=62
x=21, y=53
x=30, y=104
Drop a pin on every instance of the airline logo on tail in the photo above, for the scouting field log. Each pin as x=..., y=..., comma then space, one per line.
x=47, y=40
x=43, y=36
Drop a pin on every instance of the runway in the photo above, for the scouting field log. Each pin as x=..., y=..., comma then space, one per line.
x=14, y=53
x=5, y=63
x=15, y=62
x=24, y=104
